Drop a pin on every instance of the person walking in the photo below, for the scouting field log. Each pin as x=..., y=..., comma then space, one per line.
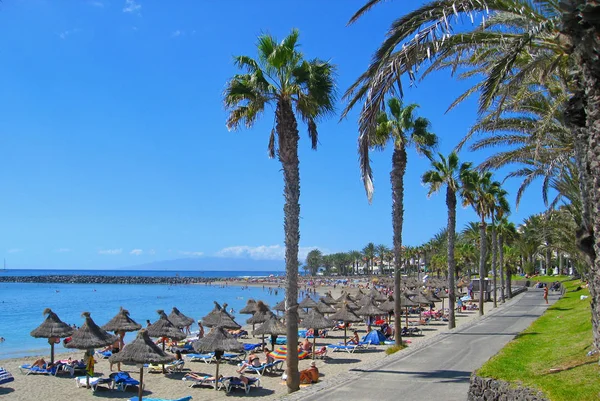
x=546, y=294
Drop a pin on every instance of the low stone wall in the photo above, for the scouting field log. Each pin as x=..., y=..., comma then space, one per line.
x=484, y=389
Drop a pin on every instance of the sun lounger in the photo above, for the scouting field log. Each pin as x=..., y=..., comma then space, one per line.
x=188, y=398
x=36, y=370
x=5, y=377
x=235, y=382
x=350, y=348
x=272, y=367
x=194, y=381
x=82, y=381
x=206, y=358
x=252, y=347
x=103, y=354
x=123, y=380
x=233, y=358
x=176, y=366
x=321, y=353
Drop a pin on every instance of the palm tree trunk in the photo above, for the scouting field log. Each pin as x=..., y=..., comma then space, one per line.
x=508, y=282
x=482, y=241
x=451, y=203
x=494, y=257
x=288, y=155
x=501, y=261
x=397, y=179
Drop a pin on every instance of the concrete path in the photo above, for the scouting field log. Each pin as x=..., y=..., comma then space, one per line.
x=440, y=369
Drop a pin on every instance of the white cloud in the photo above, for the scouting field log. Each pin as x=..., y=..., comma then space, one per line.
x=131, y=6
x=97, y=4
x=65, y=34
x=191, y=253
x=151, y=252
x=63, y=250
x=176, y=33
x=15, y=250
x=110, y=251
x=262, y=252
x=136, y=252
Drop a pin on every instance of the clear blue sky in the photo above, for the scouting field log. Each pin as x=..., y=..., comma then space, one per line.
x=115, y=151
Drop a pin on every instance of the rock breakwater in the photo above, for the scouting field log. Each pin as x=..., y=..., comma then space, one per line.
x=92, y=279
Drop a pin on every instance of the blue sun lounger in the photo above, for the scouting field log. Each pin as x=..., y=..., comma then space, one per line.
x=348, y=348
x=206, y=358
x=236, y=382
x=188, y=398
x=36, y=370
x=272, y=367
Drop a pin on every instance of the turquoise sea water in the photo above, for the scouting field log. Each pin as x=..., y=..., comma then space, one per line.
x=21, y=304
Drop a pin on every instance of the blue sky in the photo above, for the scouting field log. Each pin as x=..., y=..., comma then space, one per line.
x=115, y=151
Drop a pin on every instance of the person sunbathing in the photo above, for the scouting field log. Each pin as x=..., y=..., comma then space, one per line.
x=306, y=345
x=253, y=361
x=268, y=357
x=310, y=375
x=196, y=376
x=40, y=363
x=354, y=339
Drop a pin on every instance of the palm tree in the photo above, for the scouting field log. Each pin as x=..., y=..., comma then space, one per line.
x=369, y=254
x=401, y=128
x=500, y=208
x=357, y=258
x=382, y=251
x=506, y=233
x=282, y=78
x=480, y=192
x=314, y=259
x=450, y=173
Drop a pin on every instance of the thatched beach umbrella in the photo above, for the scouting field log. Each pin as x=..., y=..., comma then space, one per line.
x=369, y=309
x=163, y=328
x=121, y=324
x=420, y=298
x=273, y=327
x=180, y=320
x=261, y=315
x=348, y=301
x=377, y=296
x=345, y=315
x=219, y=317
x=88, y=337
x=250, y=307
x=280, y=307
x=345, y=297
x=53, y=329
x=328, y=299
x=307, y=303
x=316, y=321
x=140, y=351
x=218, y=341
x=442, y=294
x=323, y=308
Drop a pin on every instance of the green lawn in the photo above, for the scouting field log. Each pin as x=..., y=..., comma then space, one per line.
x=551, y=354
x=543, y=279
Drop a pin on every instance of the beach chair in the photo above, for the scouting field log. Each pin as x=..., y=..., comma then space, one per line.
x=188, y=398
x=206, y=358
x=350, y=348
x=122, y=380
x=321, y=353
x=234, y=358
x=195, y=381
x=95, y=382
x=252, y=347
x=36, y=370
x=103, y=354
x=176, y=366
x=235, y=382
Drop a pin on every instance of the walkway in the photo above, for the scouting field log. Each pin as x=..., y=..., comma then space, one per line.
x=439, y=370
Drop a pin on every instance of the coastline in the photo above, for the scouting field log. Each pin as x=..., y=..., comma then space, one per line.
x=28, y=387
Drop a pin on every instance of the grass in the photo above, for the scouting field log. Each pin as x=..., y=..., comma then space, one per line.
x=551, y=354
x=395, y=348
x=543, y=279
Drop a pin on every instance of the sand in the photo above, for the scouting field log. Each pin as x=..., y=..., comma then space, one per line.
x=63, y=387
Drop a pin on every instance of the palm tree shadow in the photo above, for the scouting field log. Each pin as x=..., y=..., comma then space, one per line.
x=441, y=376
x=339, y=361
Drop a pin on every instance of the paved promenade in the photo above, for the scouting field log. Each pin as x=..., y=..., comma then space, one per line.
x=440, y=369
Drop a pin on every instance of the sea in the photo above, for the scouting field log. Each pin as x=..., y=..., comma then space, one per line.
x=22, y=304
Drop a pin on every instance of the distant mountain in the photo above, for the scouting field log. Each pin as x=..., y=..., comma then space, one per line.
x=212, y=263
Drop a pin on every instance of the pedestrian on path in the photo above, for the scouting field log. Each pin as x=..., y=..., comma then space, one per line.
x=546, y=294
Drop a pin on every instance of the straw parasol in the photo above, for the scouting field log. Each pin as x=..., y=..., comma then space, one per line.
x=140, y=351
x=261, y=315
x=250, y=307
x=163, y=328
x=346, y=315
x=218, y=341
x=388, y=305
x=307, y=303
x=316, y=321
x=420, y=299
x=370, y=309
x=345, y=297
x=219, y=317
x=280, y=307
x=121, y=324
x=180, y=320
x=323, y=308
x=273, y=327
x=328, y=299
x=442, y=294
x=88, y=337
x=52, y=328
x=348, y=301
x=376, y=295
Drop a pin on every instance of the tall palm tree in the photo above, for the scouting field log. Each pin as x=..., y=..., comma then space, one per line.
x=480, y=191
x=402, y=129
x=382, y=251
x=500, y=208
x=356, y=257
x=506, y=233
x=448, y=172
x=369, y=254
x=280, y=77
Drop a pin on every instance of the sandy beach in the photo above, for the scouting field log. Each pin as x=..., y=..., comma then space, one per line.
x=170, y=386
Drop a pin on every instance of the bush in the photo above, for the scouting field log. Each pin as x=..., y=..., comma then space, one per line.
x=395, y=348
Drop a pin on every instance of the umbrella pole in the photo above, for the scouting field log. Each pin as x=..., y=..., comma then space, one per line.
x=407, y=316
x=262, y=342
x=217, y=375
x=141, y=389
x=345, y=324
x=163, y=365
x=52, y=352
